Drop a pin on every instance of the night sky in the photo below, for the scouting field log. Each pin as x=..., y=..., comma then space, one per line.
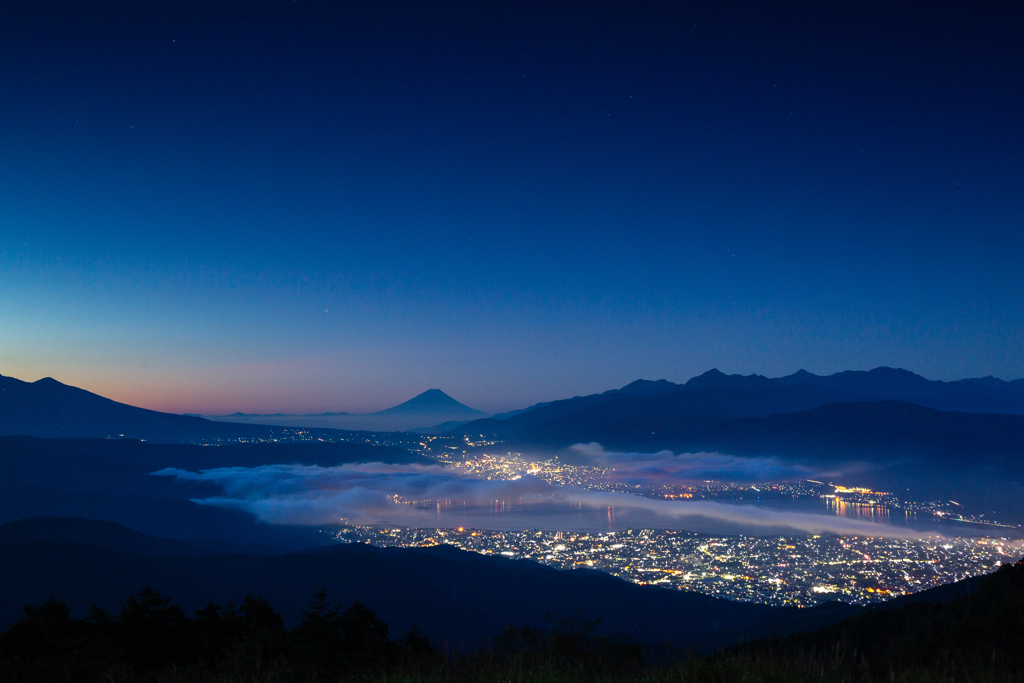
x=308, y=206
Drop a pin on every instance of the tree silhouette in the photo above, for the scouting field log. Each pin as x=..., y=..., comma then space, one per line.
x=415, y=643
x=364, y=636
x=256, y=635
x=154, y=631
x=319, y=638
x=41, y=630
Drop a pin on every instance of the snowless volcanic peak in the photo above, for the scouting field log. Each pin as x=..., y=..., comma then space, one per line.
x=432, y=402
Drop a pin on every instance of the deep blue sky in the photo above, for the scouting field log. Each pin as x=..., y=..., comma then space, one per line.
x=295, y=206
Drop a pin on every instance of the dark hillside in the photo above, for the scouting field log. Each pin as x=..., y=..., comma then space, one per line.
x=463, y=597
x=113, y=536
x=193, y=457
x=554, y=409
x=874, y=431
x=120, y=467
x=176, y=518
x=110, y=479
x=979, y=633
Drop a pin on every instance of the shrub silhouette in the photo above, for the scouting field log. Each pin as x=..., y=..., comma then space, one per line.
x=569, y=643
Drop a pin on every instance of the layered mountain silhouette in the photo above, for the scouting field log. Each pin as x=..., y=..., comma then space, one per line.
x=507, y=423
x=843, y=416
x=975, y=395
x=48, y=409
x=943, y=439
x=878, y=430
x=721, y=395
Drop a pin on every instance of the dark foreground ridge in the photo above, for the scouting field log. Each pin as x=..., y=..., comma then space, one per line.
x=461, y=597
x=978, y=636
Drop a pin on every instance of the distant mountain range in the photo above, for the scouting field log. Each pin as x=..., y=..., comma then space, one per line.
x=49, y=409
x=880, y=414
x=420, y=413
x=756, y=395
x=963, y=438
x=430, y=402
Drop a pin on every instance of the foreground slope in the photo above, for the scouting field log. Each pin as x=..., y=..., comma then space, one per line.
x=462, y=597
x=970, y=631
x=976, y=635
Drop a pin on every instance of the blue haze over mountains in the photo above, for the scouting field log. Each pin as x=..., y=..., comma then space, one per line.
x=982, y=395
x=889, y=427
x=48, y=409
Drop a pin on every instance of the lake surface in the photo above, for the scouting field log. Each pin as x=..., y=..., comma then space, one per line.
x=750, y=517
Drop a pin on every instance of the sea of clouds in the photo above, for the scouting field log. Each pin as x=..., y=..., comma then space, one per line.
x=436, y=496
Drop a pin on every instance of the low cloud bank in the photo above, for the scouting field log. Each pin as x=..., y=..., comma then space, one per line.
x=432, y=496
x=669, y=467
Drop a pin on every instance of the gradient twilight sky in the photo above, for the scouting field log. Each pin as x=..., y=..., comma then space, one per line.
x=303, y=206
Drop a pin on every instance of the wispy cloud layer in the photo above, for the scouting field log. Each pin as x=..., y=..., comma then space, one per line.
x=669, y=467
x=430, y=496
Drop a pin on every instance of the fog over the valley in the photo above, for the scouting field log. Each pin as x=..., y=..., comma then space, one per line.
x=668, y=467
x=435, y=496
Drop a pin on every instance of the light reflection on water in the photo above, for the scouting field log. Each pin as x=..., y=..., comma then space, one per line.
x=576, y=515
x=881, y=514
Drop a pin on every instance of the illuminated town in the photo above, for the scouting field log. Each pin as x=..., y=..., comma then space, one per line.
x=840, y=500
x=780, y=570
x=799, y=570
